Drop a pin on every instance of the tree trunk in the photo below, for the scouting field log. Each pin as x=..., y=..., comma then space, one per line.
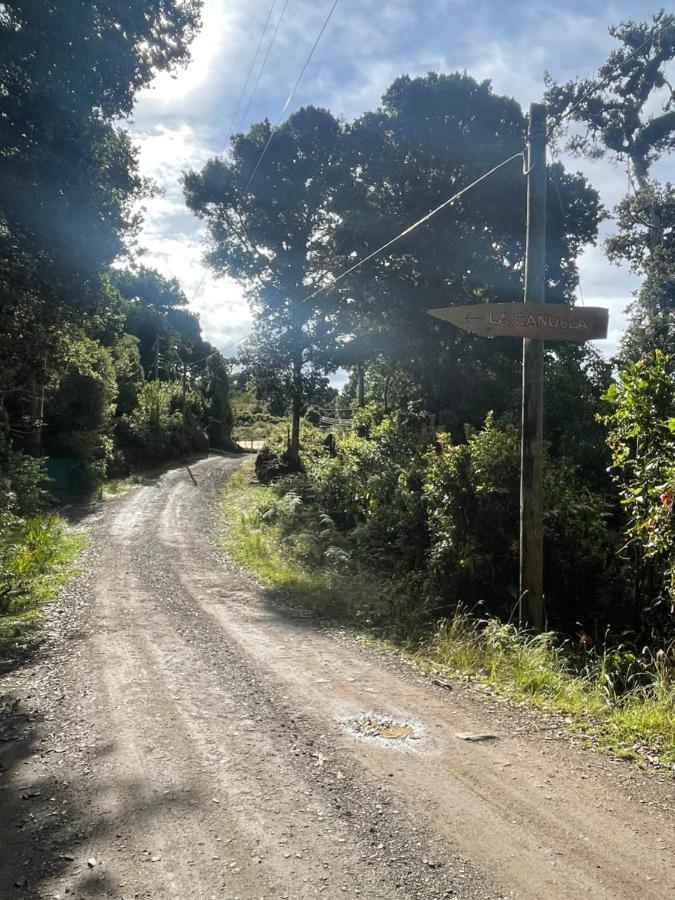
x=294, y=448
x=360, y=385
x=655, y=233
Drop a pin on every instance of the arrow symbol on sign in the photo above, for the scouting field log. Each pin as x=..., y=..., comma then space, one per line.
x=469, y=318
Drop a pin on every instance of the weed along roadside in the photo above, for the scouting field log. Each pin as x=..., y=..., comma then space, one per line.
x=36, y=558
x=287, y=533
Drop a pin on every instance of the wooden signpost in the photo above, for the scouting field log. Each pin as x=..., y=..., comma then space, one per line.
x=538, y=321
x=533, y=321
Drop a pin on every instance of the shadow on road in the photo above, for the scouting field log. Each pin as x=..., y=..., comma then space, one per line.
x=48, y=832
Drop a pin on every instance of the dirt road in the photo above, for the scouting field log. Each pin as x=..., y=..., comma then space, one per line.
x=181, y=736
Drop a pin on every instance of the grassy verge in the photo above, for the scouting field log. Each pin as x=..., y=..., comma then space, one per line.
x=35, y=560
x=634, y=722
x=259, y=547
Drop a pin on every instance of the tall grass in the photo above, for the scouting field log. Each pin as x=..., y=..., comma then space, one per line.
x=626, y=703
x=35, y=555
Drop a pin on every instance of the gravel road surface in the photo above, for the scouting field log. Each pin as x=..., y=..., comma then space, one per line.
x=179, y=734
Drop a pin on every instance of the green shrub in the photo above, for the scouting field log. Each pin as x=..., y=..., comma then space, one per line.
x=404, y=502
x=471, y=492
x=642, y=441
x=157, y=430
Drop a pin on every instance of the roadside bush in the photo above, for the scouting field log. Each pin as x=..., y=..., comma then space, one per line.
x=24, y=485
x=270, y=464
x=472, y=496
x=78, y=432
x=642, y=442
x=396, y=499
x=157, y=430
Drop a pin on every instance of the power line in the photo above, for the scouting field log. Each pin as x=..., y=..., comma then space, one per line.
x=398, y=237
x=415, y=225
x=565, y=113
x=285, y=107
x=292, y=94
x=253, y=62
x=264, y=63
x=200, y=285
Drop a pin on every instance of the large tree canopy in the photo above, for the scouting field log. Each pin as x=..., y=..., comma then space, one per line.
x=430, y=138
x=326, y=195
x=74, y=328
x=628, y=112
x=271, y=231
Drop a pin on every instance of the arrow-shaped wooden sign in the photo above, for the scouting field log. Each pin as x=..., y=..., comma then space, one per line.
x=540, y=321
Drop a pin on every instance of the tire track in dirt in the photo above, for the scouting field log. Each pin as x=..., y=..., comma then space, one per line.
x=192, y=734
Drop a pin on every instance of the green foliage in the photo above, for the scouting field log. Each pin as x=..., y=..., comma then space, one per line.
x=70, y=180
x=471, y=492
x=647, y=224
x=80, y=405
x=627, y=112
x=149, y=287
x=157, y=430
x=69, y=365
x=218, y=408
x=429, y=133
x=33, y=547
x=35, y=554
x=394, y=498
x=24, y=486
x=575, y=378
x=129, y=373
x=642, y=441
x=324, y=190
x=617, y=108
x=270, y=232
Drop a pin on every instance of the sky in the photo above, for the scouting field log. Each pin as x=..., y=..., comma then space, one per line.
x=182, y=120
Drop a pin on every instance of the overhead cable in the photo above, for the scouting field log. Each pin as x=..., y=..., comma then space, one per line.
x=200, y=285
x=292, y=94
x=264, y=63
x=415, y=225
x=252, y=65
x=406, y=231
x=281, y=115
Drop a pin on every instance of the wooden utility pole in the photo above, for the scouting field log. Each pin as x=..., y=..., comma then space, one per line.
x=532, y=452
x=534, y=321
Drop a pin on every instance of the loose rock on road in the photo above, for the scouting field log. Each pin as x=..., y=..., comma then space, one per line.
x=181, y=735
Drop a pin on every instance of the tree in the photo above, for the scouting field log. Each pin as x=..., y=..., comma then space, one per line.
x=78, y=420
x=150, y=287
x=652, y=314
x=269, y=231
x=628, y=112
x=68, y=176
x=219, y=410
x=616, y=109
x=431, y=137
x=641, y=438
